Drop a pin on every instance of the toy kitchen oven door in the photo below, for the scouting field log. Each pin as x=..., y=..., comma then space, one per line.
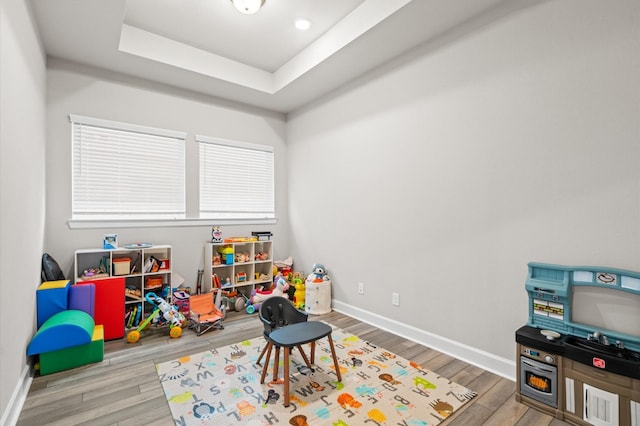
x=539, y=370
x=539, y=381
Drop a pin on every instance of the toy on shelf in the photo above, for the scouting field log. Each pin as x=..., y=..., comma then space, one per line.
x=133, y=292
x=94, y=272
x=262, y=235
x=170, y=315
x=216, y=235
x=260, y=277
x=262, y=255
x=258, y=296
x=240, y=239
x=227, y=254
x=318, y=274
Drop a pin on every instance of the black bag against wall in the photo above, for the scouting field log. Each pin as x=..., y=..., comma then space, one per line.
x=50, y=269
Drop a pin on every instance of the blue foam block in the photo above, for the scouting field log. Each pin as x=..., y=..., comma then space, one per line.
x=65, y=329
x=51, y=298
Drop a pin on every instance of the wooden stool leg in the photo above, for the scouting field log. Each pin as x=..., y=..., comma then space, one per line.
x=286, y=377
x=264, y=350
x=335, y=359
x=266, y=362
x=304, y=356
x=276, y=364
x=313, y=351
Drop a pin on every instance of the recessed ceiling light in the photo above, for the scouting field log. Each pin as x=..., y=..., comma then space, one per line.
x=302, y=24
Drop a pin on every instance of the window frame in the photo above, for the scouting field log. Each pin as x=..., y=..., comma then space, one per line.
x=252, y=162
x=191, y=190
x=121, y=148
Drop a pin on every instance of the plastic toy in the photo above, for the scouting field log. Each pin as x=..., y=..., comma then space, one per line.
x=234, y=300
x=170, y=315
x=284, y=266
x=318, y=274
x=258, y=296
x=299, y=295
x=227, y=254
x=216, y=235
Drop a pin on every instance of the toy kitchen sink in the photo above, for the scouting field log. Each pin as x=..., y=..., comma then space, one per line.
x=618, y=360
x=579, y=354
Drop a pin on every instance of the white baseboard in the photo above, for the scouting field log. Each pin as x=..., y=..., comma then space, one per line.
x=485, y=360
x=19, y=395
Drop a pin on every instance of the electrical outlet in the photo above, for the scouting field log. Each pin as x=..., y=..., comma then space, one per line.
x=360, y=288
x=395, y=299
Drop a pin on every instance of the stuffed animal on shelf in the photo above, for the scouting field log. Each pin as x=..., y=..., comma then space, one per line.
x=318, y=274
x=261, y=255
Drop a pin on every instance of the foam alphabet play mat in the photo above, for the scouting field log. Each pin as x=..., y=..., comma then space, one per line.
x=222, y=386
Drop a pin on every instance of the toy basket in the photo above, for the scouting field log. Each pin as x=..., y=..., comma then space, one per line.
x=151, y=283
x=121, y=265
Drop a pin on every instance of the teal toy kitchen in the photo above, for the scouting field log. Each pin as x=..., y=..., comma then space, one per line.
x=578, y=356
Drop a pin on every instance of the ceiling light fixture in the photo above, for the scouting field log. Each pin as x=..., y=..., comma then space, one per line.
x=302, y=24
x=248, y=7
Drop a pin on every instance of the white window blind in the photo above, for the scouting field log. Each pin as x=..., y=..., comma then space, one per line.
x=236, y=179
x=125, y=171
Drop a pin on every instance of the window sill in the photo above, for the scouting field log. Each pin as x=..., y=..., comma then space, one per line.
x=161, y=223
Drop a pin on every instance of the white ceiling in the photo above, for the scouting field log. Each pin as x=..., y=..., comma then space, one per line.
x=262, y=60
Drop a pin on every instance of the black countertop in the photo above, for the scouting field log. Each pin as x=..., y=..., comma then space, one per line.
x=618, y=361
x=531, y=336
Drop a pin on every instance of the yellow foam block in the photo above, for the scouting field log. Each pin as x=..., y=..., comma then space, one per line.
x=98, y=333
x=53, y=284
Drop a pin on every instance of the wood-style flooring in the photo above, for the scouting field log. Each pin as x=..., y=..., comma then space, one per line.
x=124, y=389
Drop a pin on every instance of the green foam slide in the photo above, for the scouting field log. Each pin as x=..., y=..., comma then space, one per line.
x=63, y=330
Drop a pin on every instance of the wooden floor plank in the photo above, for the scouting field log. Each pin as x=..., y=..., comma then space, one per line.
x=125, y=390
x=510, y=413
x=497, y=394
x=534, y=418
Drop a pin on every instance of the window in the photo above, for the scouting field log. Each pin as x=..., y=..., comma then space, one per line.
x=236, y=180
x=125, y=171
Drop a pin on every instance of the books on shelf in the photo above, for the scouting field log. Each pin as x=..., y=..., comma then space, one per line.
x=133, y=315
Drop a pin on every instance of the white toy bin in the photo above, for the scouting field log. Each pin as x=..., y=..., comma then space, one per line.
x=317, y=297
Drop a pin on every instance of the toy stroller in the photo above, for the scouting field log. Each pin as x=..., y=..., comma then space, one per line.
x=170, y=315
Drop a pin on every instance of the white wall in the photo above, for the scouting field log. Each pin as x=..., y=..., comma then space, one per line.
x=22, y=151
x=439, y=176
x=443, y=174
x=75, y=89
